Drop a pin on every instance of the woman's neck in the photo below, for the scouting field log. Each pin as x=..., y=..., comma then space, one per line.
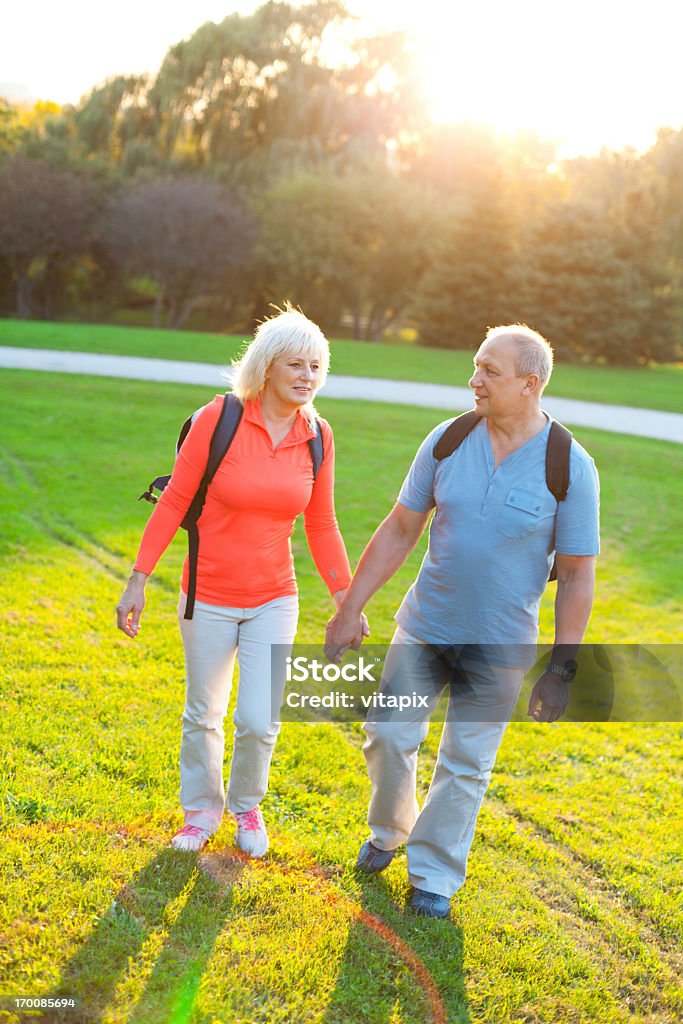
x=279, y=417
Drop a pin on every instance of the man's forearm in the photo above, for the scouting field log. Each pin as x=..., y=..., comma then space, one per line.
x=386, y=552
x=573, y=604
x=384, y=555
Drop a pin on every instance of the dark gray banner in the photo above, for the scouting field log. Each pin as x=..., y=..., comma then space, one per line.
x=487, y=682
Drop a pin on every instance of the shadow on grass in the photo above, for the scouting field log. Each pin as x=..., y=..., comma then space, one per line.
x=426, y=982
x=144, y=961
x=148, y=953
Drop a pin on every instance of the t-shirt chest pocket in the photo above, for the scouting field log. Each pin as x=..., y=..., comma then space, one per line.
x=524, y=512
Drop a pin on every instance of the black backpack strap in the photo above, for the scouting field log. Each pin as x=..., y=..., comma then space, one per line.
x=159, y=483
x=557, y=455
x=454, y=434
x=221, y=439
x=557, y=460
x=317, y=449
x=185, y=430
x=226, y=428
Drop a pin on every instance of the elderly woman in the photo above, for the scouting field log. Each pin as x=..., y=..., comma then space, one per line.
x=246, y=592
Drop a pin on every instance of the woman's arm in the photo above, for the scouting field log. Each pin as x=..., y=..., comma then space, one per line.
x=172, y=506
x=387, y=550
x=167, y=515
x=322, y=529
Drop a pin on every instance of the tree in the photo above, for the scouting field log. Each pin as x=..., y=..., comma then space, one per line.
x=466, y=287
x=354, y=243
x=665, y=161
x=46, y=216
x=183, y=234
x=11, y=129
x=237, y=88
x=253, y=97
x=580, y=281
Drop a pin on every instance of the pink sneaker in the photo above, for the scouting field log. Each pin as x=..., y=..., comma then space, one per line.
x=251, y=832
x=190, y=838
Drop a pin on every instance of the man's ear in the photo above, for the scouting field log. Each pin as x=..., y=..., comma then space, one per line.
x=531, y=384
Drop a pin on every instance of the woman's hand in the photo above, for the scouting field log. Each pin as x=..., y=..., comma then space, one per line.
x=129, y=608
x=346, y=630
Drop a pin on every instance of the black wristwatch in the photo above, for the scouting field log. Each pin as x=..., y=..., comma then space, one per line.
x=567, y=671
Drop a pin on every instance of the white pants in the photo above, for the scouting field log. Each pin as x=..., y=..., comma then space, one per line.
x=439, y=837
x=211, y=639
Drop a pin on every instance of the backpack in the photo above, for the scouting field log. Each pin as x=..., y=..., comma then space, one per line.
x=221, y=439
x=556, y=455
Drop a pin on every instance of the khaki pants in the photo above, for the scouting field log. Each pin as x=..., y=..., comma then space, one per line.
x=211, y=639
x=438, y=838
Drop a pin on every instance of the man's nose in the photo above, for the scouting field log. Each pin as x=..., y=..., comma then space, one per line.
x=474, y=380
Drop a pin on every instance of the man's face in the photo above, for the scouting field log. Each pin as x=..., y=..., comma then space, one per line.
x=497, y=388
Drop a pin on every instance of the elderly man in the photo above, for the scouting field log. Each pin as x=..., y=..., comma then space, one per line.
x=470, y=619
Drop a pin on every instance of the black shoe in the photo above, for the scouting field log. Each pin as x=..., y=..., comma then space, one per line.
x=429, y=904
x=372, y=860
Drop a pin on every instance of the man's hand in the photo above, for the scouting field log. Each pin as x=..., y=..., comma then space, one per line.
x=549, y=698
x=345, y=630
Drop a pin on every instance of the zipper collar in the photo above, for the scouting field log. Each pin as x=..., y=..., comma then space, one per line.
x=301, y=431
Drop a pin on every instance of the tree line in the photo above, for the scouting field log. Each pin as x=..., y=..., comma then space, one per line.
x=250, y=169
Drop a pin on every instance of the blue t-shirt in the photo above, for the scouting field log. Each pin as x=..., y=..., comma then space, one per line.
x=493, y=537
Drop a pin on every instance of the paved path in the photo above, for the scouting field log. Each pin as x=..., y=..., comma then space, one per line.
x=620, y=419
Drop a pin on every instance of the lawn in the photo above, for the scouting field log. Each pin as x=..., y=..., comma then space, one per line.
x=572, y=909
x=655, y=387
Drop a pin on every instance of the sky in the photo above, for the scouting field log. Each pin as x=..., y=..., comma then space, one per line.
x=585, y=74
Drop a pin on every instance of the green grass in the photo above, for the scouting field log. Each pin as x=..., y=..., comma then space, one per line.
x=572, y=910
x=655, y=387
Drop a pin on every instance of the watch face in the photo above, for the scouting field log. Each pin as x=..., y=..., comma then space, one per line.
x=566, y=671
x=569, y=674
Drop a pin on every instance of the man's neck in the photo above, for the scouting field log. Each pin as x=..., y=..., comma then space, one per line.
x=509, y=433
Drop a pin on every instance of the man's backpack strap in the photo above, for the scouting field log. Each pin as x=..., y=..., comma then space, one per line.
x=557, y=468
x=557, y=460
x=317, y=449
x=221, y=439
x=454, y=435
x=556, y=455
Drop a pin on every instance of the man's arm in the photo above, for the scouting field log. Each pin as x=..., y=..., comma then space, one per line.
x=387, y=550
x=574, y=600
x=573, y=603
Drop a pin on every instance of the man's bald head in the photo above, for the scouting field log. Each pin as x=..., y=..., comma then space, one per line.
x=533, y=354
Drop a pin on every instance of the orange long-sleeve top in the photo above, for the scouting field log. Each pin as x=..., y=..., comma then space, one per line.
x=245, y=555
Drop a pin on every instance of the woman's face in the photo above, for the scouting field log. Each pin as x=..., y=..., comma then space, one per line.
x=293, y=379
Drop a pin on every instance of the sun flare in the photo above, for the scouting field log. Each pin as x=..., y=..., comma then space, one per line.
x=583, y=76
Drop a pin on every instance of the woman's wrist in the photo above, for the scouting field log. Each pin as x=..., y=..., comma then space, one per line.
x=350, y=605
x=138, y=578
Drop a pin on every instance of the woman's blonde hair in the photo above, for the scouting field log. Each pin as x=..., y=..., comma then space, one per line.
x=289, y=332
